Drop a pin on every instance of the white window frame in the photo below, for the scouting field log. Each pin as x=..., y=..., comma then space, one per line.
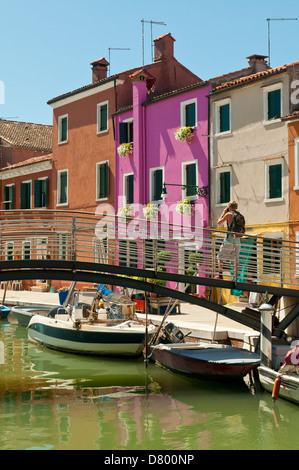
x=224, y=169
x=99, y=105
x=266, y=91
x=218, y=105
x=59, y=172
x=59, y=129
x=158, y=201
x=98, y=164
x=296, y=163
x=29, y=182
x=268, y=163
x=11, y=185
x=183, y=107
x=184, y=180
x=128, y=121
x=125, y=196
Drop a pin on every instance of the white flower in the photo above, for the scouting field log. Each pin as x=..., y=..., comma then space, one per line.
x=124, y=150
x=183, y=133
x=125, y=212
x=184, y=207
x=150, y=211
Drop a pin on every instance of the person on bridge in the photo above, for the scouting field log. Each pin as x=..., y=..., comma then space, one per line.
x=230, y=249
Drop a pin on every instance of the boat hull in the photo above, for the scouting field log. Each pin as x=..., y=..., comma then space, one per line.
x=206, y=362
x=90, y=339
x=23, y=314
x=4, y=311
x=289, y=386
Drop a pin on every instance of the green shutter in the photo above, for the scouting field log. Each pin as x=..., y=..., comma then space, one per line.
x=103, y=180
x=44, y=192
x=103, y=117
x=190, y=115
x=275, y=180
x=274, y=104
x=224, y=187
x=25, y=196
x=63, y=188
x=37, y=193
x=224, y=118
x=123, y=133
x=157, y=183
x=191, y=179
x=12, y=196
x=130, y=189
x=64, y=129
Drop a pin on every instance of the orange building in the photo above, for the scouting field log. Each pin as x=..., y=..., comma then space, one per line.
x=293, y=150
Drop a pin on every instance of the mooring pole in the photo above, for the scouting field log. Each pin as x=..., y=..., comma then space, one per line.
x=266, y=311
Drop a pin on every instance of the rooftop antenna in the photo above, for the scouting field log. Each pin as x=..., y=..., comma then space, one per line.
x=275, y=19
x=151, y=23
x=116, y=49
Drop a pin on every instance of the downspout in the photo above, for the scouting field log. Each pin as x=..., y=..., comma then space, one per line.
x=209, y=164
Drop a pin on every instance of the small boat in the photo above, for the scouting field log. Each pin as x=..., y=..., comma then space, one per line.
x=4, y=311
x=283, y=383
x=89, y=330
x=204, y=360
x=23, y=314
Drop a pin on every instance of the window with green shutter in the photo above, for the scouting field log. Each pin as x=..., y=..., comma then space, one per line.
x=274, y=104
x=126, y=132
x=190, y=115
x=25, y=195
x=62, y=187
x=157, y=182
x=41, y=193
x=224, y=187
x=190, y=178
x=102, y=117
x=129, y=189
x=102, y=180
x=275, y=181
x=224, y=118
x=62, y=129
x=9, y=197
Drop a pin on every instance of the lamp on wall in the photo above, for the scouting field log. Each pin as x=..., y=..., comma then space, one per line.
x=200, y=190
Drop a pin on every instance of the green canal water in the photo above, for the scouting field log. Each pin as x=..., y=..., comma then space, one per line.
x=51, y=400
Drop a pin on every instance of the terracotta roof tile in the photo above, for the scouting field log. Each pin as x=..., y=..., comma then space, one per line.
x=26, y=135
x=30, y=161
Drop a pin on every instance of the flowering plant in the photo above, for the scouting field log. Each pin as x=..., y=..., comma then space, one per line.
x=124, y=150
x=183, y=133
x=125, y=212
x=150, y=211
x=184, y=207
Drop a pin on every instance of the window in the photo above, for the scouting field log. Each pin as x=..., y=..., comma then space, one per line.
x=189, y=113
x=26, y=195
x=128, y=253
x=102, y=180
x=223, y=185
x=62, y=129
x=126, y=132
x=129, y=188
x=26, y=249
x=223, y=116
x=41, y=192
x=102, y=117
x=9, y=196
x=62, y=187
x=274, y=181
x=272, y=102
x=9, y=246
x=189, y=177
x=296, y=165
x=62, y=245
x=272, y=256
x=156, y=183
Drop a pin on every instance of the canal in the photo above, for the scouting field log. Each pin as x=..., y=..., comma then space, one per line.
x=52, y=400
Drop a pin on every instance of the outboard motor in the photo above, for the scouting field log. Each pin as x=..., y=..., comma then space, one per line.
x=173, y=334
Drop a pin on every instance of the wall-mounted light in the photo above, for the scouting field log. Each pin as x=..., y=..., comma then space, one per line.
x=201, y=191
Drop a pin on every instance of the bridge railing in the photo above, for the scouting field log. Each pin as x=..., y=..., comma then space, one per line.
x=145, y=245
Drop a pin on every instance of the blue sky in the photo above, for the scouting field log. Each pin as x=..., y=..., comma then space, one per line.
x=46, y=47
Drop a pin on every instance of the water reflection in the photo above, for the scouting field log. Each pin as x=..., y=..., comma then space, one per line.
x=53, y=400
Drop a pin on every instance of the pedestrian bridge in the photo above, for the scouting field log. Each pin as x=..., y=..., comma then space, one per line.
x=151, y=256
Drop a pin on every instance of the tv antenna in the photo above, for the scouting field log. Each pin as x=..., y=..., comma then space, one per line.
x=151, y=23
x=116, y=49
x=275, y=19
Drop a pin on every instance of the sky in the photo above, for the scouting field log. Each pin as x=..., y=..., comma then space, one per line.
x=46, y=47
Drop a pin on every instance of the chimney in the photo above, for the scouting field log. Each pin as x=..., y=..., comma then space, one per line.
x=258, y=63
x=164, y=46
x=99, y=70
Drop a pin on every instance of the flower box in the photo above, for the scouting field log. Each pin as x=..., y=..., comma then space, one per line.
x=125, y=212
x=183, y=134
x=151, y=211
x=124, y=150
x=185, y=207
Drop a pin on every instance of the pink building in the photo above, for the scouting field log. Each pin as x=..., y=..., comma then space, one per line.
x=158, y=157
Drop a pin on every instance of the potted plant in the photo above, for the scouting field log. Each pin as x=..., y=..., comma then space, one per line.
x=185, y=207
x=126, y=211
x=164, y=256
x=150, y=211
x=183, y=134
x=124, y=150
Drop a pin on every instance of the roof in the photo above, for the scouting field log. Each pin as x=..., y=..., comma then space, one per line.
x=255, y=76
x=26, y=135
x=30, y=161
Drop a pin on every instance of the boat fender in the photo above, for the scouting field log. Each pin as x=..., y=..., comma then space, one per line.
x=276, y=388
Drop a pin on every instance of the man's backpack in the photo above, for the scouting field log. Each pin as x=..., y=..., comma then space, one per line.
x=238, y=224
